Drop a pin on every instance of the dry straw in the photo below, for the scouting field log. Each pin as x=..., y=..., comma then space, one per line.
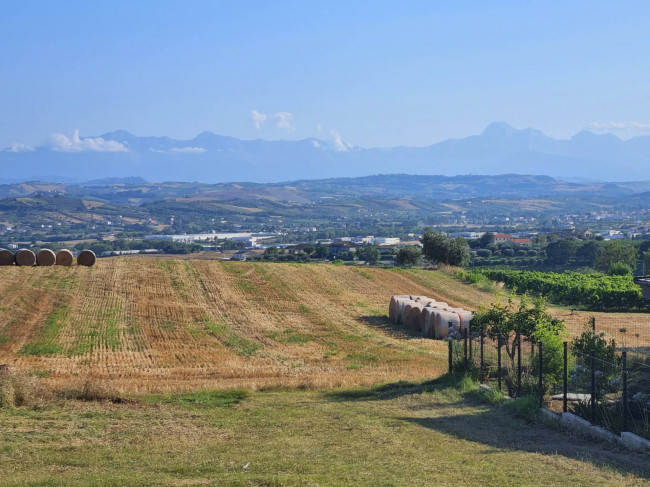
x=64, y=257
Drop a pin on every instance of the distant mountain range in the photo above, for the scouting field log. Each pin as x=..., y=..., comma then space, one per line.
x=212, y=158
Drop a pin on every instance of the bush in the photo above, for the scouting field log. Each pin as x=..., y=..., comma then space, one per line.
x=619, y=269
x=606, y=363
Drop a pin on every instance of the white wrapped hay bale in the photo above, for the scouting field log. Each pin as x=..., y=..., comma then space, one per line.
x=393, y=307
x=412, y=315
x=444, y=323
x=427, y=320
x=401, y=305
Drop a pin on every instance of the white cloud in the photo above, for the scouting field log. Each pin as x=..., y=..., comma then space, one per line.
x=189, y=150
x=17, y=147
x=259, y=119
x=63, y=143
x=283, y=121
x=339, y=145
x=606, y=126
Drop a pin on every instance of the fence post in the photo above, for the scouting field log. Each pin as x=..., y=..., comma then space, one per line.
x=450, y=355
x=469, y=332
x=482, y=358
x=518, y=364
x=465, y=347
x=592, y=320
x=592, y=356
x=532, y=348
x=565, y=377
x=499, y=362
x=624, y=428
x=540, y=379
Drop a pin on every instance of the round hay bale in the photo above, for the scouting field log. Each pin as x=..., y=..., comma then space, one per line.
x=6, y=257
x=405, y=312
x=412, y=317
x=46, y=257
x=465, y=318
x=426, y=318
x=393, y=308
x=87, y=258
x=401, y=305
x=64, y=257
x=445, y=322
x=25, y=257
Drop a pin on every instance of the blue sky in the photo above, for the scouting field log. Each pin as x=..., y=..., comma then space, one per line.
x=373, y=73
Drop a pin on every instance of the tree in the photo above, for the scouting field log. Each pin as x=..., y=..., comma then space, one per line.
x=434, y=246
x=486, y=239
x=484, y=253
x=309, y=249
x=370, y=254
x=458, y=253
x=321, y=252
x=562, y=251
x=614, y=251
x=441, y=249
x=586, y=254
x=408, y=256
x=530, y=320
x=271, y=253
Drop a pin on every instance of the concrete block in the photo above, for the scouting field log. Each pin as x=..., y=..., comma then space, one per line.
x=634, y=442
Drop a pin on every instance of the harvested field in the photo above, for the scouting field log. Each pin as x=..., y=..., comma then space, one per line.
x=155, y=325
x=142, y=325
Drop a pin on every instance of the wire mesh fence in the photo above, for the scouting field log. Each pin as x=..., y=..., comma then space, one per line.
x=608, y=387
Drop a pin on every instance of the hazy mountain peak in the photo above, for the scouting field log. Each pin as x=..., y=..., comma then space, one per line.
x=118, y=135
x=499, y=128
x=211, y=157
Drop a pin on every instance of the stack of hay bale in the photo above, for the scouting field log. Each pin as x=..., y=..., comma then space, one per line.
x=46, y=257
x=434, y=319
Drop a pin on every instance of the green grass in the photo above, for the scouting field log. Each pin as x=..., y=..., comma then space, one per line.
x=411, y=434
x=290, y=336
x=242, y=346
x=45, y=343
x=215, y=329
x=239, y=345
x=92, y=334
x=203, y=399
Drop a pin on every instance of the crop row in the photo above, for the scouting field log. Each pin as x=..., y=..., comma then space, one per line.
x=590, y=291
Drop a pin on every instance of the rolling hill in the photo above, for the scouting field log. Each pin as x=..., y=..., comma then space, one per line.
x=143, y=325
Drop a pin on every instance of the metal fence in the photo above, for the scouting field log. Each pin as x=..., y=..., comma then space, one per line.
x=611, y=391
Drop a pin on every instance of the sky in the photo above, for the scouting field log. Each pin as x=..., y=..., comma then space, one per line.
x=369, y=73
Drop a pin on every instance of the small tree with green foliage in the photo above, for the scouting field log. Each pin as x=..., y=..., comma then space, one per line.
x=409, y=256
x=614, y=251
x=605, y=358
x=439, y=248
x=530, y=320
